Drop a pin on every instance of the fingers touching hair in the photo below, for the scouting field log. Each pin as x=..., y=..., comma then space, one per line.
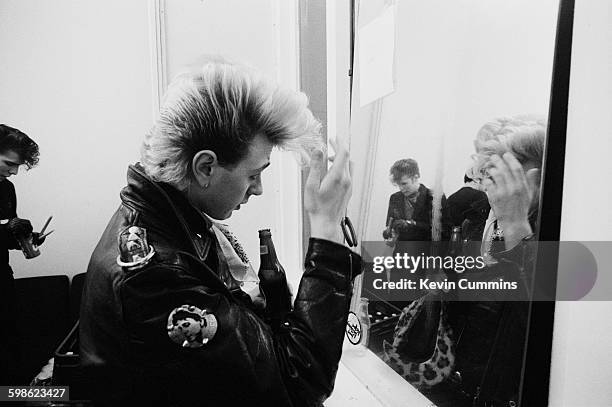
x=522, y=135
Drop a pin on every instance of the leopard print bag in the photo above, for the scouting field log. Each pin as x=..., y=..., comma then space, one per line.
x=439, y=364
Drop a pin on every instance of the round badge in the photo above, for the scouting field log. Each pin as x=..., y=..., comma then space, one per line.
x=353, y=328
x=191, y=327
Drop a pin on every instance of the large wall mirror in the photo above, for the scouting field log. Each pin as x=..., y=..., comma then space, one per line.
x=459, y=66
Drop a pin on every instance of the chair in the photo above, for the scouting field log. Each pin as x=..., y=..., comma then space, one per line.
x=42, y=306
x=76, y=292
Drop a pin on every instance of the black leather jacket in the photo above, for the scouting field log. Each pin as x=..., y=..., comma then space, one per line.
x=127, y=354
x=421, y=230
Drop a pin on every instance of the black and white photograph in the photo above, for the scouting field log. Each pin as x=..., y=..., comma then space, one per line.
x=370, y=203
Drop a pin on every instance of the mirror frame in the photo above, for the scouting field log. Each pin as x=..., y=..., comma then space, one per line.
x=537, y=358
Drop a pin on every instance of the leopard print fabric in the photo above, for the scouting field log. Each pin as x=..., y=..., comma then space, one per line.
x=434, y=370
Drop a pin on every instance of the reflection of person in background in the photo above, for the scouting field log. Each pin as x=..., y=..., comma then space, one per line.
x=509, y=155
x=469, y=208
x=512, y=190
x=409, y=215
x=203, y=159
x=16, y=149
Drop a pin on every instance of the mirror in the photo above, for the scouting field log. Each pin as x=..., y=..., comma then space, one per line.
x=458, y=66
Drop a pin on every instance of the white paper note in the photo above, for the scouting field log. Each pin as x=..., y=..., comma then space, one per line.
x=376, y=50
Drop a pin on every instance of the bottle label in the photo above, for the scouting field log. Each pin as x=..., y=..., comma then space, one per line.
x=263, y=249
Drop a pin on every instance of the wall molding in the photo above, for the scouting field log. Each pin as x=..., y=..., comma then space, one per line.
x=313, y=71
x=157, y=42
x=289, y=194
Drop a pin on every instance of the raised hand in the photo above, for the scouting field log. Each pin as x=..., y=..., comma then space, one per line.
x=511, y=191
x=326, y=195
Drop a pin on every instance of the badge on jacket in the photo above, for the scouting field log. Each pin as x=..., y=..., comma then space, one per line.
x=135, y=251
x=191, y=327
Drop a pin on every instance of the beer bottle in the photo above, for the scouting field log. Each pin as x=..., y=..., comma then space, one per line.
x=272, y=281
x=456, y=242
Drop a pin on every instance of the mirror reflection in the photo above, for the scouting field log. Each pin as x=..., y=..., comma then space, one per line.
x=457, y=159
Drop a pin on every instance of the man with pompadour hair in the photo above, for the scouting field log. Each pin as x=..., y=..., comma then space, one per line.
x=409, y=215
x=163, y=255
x=16, y=149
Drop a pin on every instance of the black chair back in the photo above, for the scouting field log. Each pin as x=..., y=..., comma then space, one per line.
x=42, y=307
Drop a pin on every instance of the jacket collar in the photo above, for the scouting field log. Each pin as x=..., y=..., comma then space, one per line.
x=169, y=209
x=423, y=195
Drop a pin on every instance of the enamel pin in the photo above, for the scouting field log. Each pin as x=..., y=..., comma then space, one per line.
x=134, y=248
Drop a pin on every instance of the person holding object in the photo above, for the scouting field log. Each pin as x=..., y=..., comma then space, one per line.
x=16, y=149
x=409, y=216
x=163, y=321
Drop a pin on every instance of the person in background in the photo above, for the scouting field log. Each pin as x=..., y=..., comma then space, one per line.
x=489, y=334
x=509, y=157
x=409, y=216
x=469, y=208
x=409, y=230
x=163, y=321
x=16, y=149
x=508, y=161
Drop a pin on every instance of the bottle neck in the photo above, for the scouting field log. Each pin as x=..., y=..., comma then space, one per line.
x=456, y=235
x=267, y=251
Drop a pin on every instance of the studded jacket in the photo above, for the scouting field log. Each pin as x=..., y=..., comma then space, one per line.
x=127, y=354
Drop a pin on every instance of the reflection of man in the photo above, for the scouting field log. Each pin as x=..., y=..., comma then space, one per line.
x=204, y=158
x=410, y=209
x=16, y=149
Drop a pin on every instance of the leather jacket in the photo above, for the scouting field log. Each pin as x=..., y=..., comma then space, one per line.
x=127, y=355
x=492, y=334
x=421, y=229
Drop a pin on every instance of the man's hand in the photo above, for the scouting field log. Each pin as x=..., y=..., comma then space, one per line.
x=19, y=227
x=326, y=195
x=510, y=191
x=402, y=225
x=38, y=239
x=392, y=239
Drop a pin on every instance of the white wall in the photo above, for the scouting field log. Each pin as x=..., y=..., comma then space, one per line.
x=262, y=33
x=79, y=78
x=74, y=76
x=458, y=65
x=582, y=350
